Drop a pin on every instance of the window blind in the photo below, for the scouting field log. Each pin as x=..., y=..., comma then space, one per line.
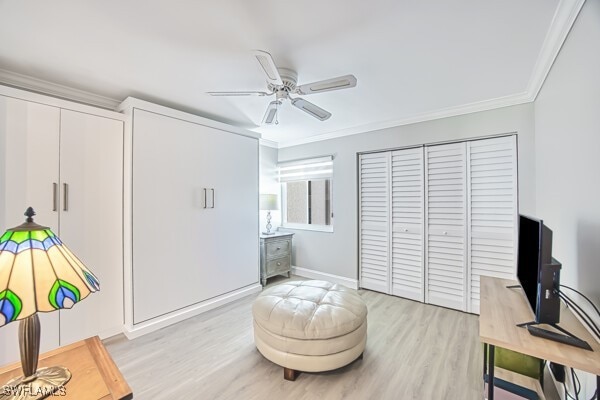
x=302, y=170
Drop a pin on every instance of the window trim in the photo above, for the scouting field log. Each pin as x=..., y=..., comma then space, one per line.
x=283, y=194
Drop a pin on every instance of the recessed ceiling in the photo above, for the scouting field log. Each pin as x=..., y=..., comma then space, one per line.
x=410, y=57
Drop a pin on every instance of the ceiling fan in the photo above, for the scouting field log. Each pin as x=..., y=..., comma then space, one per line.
x=282, y=82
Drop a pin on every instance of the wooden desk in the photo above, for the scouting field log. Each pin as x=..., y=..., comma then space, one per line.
x=94, y=373
x=501, y=309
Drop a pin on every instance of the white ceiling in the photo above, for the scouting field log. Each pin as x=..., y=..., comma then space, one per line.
x=410, y=57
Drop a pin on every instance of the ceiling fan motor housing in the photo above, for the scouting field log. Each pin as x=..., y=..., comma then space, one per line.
x=289, y=79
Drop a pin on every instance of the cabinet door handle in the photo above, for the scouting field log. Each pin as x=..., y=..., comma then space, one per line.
x=278, y=263
x=204, y=197
x=65, y=197
x=54, y=196
x=213, y=197
x=279, y=248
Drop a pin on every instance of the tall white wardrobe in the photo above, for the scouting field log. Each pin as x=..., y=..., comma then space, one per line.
x=435, y=218
x=66, y=161
x=191, y=223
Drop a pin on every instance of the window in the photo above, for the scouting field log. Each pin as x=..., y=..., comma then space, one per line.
x=306, y=193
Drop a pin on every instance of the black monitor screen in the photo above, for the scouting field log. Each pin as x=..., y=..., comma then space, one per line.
x=530, y=231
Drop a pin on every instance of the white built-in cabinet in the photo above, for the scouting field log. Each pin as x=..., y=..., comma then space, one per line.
x=192, y=244
x=433, y=219
x=68, y=165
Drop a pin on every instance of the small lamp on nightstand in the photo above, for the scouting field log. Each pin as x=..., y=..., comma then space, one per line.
x=268, y=202
x=38, y=273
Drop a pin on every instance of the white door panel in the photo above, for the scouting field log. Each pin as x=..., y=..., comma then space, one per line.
x=407, y=223
x=446, y=202
x=29, y=137
x=91, y=219
x=492, y=169
x=374, y=177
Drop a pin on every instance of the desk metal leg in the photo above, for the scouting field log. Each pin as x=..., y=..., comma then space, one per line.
x=485, y=350
x=491, y=372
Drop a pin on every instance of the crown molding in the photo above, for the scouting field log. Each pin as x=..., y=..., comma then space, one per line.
x=564, y=17
x=269, y=143
x=485, y=105
x=54, y=89
x=562, y=22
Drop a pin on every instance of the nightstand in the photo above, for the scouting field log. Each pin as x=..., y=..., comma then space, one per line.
x=275, y=255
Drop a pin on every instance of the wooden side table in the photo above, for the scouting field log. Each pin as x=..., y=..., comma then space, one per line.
x=94, y=374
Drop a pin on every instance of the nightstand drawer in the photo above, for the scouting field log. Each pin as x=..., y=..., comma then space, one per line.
x=278, y=265
x=280, y=248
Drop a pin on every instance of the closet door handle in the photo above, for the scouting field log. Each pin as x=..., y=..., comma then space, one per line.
x=213, y=197
x=54, y=196
x=65, y=197
x=204, y=197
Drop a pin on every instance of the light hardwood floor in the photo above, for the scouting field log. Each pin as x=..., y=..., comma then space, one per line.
x=414, y=351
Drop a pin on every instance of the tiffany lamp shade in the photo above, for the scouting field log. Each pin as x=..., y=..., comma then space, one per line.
x=38, y=273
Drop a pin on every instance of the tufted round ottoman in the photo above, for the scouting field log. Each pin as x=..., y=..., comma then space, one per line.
x=310, y=326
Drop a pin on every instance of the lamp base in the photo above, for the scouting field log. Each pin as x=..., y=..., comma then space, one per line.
x=42, y=384
x=268, y=233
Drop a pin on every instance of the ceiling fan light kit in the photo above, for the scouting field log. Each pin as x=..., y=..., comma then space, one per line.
x=282, y=82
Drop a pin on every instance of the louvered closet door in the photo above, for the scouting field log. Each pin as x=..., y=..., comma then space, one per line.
x=407, y=223
x=492, y=166
x=374, y=221
x=446, y=199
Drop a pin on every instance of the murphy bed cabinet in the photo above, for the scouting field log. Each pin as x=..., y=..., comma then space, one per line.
x=191, y=215
x=66, y=161
x=435, y=218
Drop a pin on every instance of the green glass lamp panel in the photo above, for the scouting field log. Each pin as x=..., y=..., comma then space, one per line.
x=61, y=293
x=20, y=237
x=39, y=235
x=10, y=305
x=6, y=236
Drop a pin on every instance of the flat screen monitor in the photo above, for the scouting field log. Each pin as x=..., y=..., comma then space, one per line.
x=535, y=252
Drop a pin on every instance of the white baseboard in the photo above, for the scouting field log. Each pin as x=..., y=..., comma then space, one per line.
x=324, y=276
x=160, y=322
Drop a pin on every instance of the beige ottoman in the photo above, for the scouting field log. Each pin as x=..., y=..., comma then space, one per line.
x=310, y=326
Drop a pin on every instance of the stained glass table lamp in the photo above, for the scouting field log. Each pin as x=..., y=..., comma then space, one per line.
x=38, y=273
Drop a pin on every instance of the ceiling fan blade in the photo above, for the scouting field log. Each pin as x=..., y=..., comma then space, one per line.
x=341, y=82
x=270, y=117
x=240, y=93
x=268, y=65
x=311, y=109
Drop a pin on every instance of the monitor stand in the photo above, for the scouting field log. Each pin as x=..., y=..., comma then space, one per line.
x=566, y=338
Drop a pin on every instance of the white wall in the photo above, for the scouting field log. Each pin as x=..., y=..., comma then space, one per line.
x=567, y=124
x=336, y=253
x=269, y=183
x=567, y=118
x=3, y=226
